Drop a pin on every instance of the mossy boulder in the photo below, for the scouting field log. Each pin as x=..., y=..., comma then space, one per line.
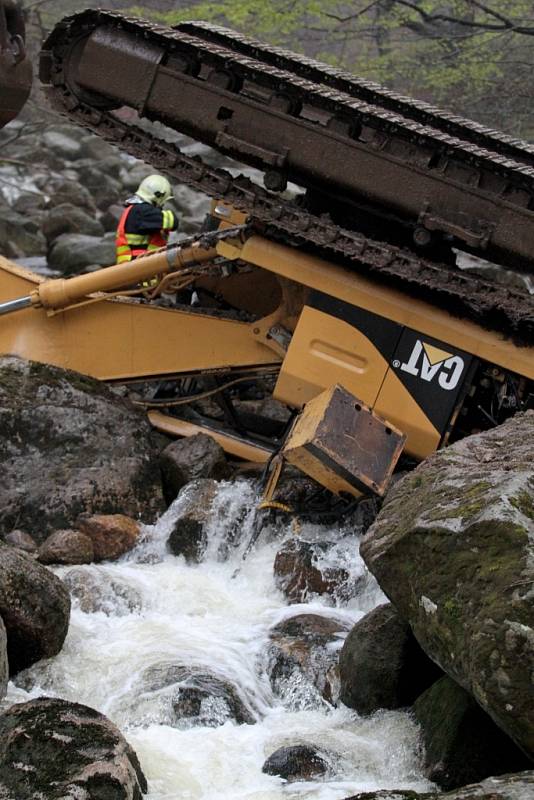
x=453, y=549
x=462, y=744
x=381, y=664
x=68, y=446
x=54, y=749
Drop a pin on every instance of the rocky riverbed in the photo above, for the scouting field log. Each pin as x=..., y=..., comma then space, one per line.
x=133, y=647
x=62, y=192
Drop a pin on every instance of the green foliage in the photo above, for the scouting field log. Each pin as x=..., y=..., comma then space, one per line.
x=478, y=62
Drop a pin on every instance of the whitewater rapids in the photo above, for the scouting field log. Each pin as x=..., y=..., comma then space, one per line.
x=159, y=610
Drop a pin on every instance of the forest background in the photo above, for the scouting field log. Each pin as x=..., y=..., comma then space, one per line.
x=476, y=58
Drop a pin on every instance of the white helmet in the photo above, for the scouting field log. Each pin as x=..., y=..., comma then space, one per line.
x=155, y=189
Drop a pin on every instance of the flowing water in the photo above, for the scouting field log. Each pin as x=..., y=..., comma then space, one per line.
x=153, y=612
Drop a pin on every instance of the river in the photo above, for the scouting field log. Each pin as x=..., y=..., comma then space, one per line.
x=156, y=610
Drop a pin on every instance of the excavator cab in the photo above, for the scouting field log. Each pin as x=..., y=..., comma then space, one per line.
x=15, y=67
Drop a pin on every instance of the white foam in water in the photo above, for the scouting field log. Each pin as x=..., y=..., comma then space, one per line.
x=198, y=616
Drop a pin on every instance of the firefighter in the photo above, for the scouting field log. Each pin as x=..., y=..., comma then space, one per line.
x=144, y=225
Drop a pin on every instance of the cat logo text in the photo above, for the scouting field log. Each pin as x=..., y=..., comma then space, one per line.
x=432, y=364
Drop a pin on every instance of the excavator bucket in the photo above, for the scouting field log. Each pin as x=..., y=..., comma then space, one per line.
x=343, y=445
x=15, y=67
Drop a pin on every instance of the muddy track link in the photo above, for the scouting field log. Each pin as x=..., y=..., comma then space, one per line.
x=436, y=185
x=492, y=306
x=368, y=91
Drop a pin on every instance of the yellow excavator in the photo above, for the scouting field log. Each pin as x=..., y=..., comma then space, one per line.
x=345, y=297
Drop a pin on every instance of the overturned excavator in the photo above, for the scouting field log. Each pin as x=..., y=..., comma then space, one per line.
x=345, y=297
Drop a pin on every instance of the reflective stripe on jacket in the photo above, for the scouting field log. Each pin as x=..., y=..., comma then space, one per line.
x=130, y=245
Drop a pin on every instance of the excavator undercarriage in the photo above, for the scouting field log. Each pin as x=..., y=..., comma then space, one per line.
x=344, y=298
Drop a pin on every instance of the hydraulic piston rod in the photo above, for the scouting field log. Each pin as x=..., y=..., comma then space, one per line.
x=15, y=305
x=63, y=292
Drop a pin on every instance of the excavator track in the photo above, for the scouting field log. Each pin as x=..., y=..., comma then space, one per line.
x=294, y=129
x=368, y=91
x=492, y=306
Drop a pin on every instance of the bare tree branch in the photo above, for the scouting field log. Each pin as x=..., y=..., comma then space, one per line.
x=505, y=23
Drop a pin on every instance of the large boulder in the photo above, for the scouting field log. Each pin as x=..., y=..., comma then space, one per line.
x=191, y=458
x=66, y=547
x=104, y=189
x=62, y=190
x=22, y=540
x=20, y=235
x=94, y=590
x=299, y=762
x=63, y=145
x=112, y=535
x=301, y=570
x=35, y=608
x=302, y=660
x=54, y=749
x=461, y=743
x=189, y=534
x=381, y=664
x=190, y=696
x=72, y=252
x=67, y=218
x=453, y=548
x=69, y=446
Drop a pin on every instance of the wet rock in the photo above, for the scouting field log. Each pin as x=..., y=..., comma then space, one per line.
x=295, y=489
x=4, y=664
x=55, y=749
x=66, y=191
x=70, y=446
x=112, y=535
x=298, y=575
x=29, y=203
x=104, y=189
x=381, y=665
x=96, y=591
x=131, y=178
x=72, y=252
x=112, y=165
x=452, y=549
x=97, y=149
x=517, y=786
x=296, y=763
x=66, y=547
x=198, y=697
x=21, y=540
x=111, y=217
x=20, y=235
x=62, y=145
x=188, y=537
x=266, y=416
x=191, y=458
x=66, y=218
x=35, y=608
x=461, y=743
x=302, y=660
